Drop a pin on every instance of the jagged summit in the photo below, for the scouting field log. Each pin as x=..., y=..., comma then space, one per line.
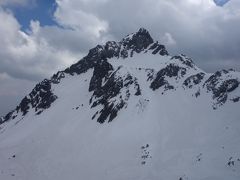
x=142, y=33
x=127, y=110
x=137, y=41
x=133, y=43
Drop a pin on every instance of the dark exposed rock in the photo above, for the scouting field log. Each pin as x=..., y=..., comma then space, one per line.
x=184, y=177
x=101, y=70
x=112, y=49
x=184, y=59
x=220, y=88
x=6, y=118
x=193, y=80
x=199, y=157
x=138, y=41
x=57, y=77
x=81, y=67
x=150, y=74
x=235, y=99
x=137, y=87
x=227, y=86
x=39, y=99
x=197, y=93
x=145, y=154
x=170, y=70
x=2, y=119
x=110, y=93
x=158, y=48
x=95, y=55
x=24, y=105
x=231, y=162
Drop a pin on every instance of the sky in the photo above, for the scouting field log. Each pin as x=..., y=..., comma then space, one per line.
x=40, y=37
x=220, y=2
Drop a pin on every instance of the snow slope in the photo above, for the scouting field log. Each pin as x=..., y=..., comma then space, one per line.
x=128, y=110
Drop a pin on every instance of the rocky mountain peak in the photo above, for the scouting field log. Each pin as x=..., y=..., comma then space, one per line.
x=114, y=82
x=141, y=41
x=138, y=41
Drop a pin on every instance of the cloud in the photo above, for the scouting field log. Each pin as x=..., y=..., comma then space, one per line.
x=201, y=29
x=29, y=55
x=79, y=19
x=168, y=40
x=43, y=50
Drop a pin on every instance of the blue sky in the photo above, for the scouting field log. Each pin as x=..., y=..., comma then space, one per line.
x=41, y=10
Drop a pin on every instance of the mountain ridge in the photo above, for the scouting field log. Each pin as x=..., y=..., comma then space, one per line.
x=138, y=42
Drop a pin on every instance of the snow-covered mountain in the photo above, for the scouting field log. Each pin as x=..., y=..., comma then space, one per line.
x=127, y=110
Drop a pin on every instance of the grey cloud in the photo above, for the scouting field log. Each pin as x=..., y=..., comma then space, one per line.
x=204, y=33
x=29, y=56
x=63, y=39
